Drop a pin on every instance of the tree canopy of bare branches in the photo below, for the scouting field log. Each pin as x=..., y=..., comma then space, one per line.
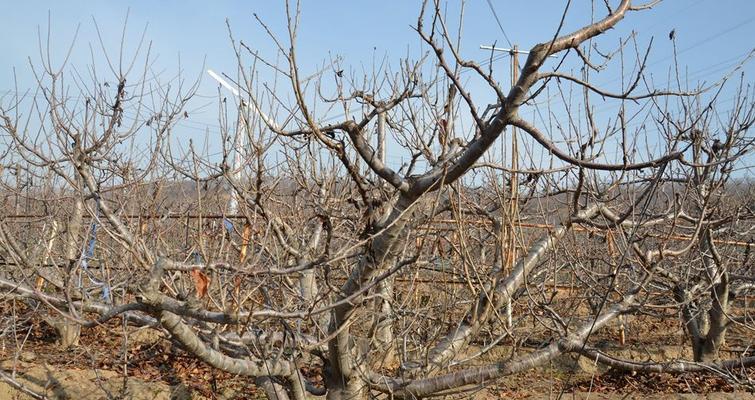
x=392, y=281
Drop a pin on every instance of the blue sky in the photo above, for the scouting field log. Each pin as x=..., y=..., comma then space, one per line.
x=711, y=34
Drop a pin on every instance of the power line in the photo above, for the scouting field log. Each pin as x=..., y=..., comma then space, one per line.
x=498, y=21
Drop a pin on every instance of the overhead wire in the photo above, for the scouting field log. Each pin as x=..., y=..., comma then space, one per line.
x=500, y=25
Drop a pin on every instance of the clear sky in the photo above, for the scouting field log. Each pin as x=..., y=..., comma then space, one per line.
x=712, y=35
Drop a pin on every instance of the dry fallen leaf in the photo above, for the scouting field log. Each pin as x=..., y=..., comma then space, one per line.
x=201, y=282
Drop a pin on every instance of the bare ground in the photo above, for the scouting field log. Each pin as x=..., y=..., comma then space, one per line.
x=113, y=361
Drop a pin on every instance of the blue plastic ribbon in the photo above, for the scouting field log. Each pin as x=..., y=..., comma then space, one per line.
x=228, y=225
x=197, y=258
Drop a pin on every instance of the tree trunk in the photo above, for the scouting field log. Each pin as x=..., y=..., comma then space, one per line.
x=383, y=327
x=717, y=321
x=353, y=389
x=346, y=380
x=69, y=331
x=708, y=329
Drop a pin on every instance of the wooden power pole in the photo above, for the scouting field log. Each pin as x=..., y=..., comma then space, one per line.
x=513, y=206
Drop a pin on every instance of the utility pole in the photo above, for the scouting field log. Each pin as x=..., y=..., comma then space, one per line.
x=514, y=185
x=379, y=145
x=511, y=211
x=381, y=137
x=514, y=182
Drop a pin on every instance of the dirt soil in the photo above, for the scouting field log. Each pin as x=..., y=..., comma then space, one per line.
x=154, y=368
x=76, y=383
x=129, y=363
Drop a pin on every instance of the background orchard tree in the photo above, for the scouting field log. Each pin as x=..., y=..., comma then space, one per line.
x=387, y=281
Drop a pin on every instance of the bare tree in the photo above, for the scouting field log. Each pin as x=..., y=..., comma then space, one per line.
x=392, y=281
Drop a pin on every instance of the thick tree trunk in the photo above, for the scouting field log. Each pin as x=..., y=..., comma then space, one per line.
x=383, y=327
x=717, y=321
x=346, y=362
x=338, y=389
x=707, y=324
x=69, y=331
